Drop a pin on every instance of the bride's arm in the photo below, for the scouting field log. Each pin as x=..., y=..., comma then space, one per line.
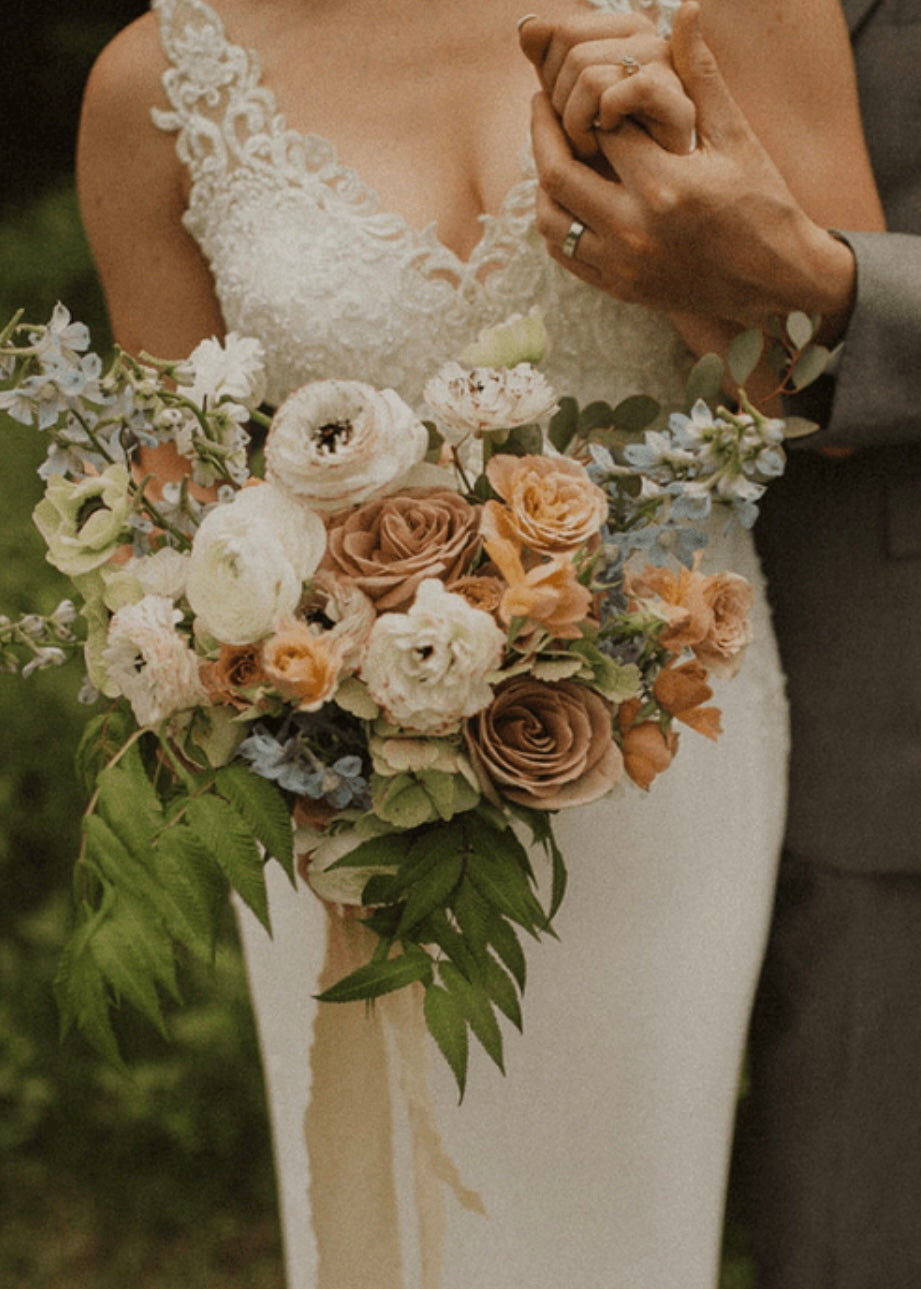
x=130, y=184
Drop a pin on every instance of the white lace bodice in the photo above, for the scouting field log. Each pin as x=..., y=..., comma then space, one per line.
x=305, y=258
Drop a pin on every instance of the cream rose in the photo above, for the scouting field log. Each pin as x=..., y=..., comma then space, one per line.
x=545, y=745
x=730, y=599
x=551, y=505
x=388, y=547
x=428, y=669
x=302, y=666
x=337, y=443
x=250, y=559
x=487, y=399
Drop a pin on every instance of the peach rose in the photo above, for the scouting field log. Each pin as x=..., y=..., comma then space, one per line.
x=545, y=745
x=548, y=594
x=682, y=691
x=388, y=547
x=682, y=603
x=302, y=666
x=730, y=598
x=341, y=612
x=647, y=748
x=550, y=503
x=481, y=591
x=237, y=668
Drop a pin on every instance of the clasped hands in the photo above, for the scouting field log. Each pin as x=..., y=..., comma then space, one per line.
x=639, y=141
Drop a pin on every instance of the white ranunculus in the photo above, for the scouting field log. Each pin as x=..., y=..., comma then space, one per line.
x=428, y=668
x=148, y=662
x=250, y=559
x=487, y=398
x=233, y=371
x=338, y=443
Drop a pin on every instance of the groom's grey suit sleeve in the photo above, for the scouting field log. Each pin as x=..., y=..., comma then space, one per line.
x=830, y=1137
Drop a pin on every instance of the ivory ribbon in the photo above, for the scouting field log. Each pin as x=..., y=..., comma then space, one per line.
x=348, y=1127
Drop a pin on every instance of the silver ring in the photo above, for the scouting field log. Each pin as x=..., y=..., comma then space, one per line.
x=525, y=18
x=629, y=64
x=571, y=240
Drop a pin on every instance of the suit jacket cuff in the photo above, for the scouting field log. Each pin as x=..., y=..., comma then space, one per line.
x=875, y=396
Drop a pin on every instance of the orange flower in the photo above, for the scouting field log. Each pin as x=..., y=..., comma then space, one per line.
x=302, y=666
x=550, y=502
x=682, y=602
x=681, y=691
x=647, y=748
x=549, y=594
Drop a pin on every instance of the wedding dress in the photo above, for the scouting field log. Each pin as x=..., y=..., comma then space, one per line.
x=600, y=1159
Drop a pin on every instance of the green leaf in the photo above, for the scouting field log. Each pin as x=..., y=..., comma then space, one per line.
x=386, y=851
x=524, y=440
x=503, y=939
x=447, y=1023
x=225, y=834
x=376, y=978
x=564, y=424
x=798, y=427
x=705, y=380
x=809, y=366
x=191, y=874
x=477, y=1008
x=501, y=989
x=128, y=803
x=499, y=869
x=80, y=990
x=595, y=416
x=636, y=413
x=105, y=735
x=135, y=954
x=473, y=916
x=745, y=354
x=432, y=891
x=800, y=329
x=264, y=808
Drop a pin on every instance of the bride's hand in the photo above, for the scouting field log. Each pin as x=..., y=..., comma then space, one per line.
x=599, y=69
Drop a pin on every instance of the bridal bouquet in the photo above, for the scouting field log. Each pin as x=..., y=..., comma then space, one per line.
x=382, y=658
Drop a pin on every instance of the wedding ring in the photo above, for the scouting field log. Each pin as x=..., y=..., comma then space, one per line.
x=527, y=18
x=571, y=240
x=629, y=64
x=692, y=146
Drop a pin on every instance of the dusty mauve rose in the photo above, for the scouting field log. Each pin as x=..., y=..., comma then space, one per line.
x=545, y=745
x=236, y=668
x=648, y=749
x=730, y=598
x=682, y=691
x=302, y=666
x=338, y=443
x=389, y=547
x=551, y=505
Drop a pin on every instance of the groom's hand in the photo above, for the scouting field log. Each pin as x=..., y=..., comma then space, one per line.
x=716, y=232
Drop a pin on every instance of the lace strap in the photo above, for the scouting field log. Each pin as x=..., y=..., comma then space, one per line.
x=213, y=88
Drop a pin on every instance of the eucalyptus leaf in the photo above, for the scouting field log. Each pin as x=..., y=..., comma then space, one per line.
x=800, y=328
x=564, y=424
x=809, y=366
x=524, y=440
x=705, y=380
x=744, y=354
x=635, y=414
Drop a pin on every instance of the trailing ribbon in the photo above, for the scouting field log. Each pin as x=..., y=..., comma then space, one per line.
x=349, y=1126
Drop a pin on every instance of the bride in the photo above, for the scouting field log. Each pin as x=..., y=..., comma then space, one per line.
x=348, y=181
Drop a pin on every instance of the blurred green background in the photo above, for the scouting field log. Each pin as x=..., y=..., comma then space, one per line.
x=162, y=1179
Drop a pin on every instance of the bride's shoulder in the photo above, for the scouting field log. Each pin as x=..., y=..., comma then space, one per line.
x=126, y=78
